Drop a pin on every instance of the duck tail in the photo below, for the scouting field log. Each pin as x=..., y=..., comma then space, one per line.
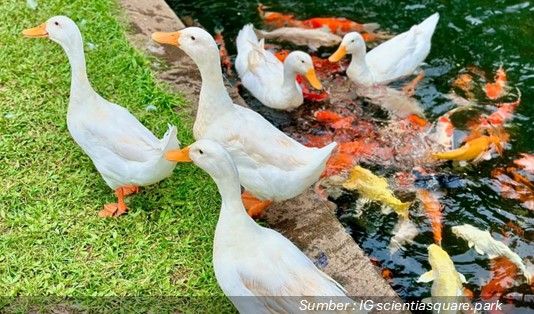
x=429, y=25
x=245, y=38
x=246, y=42
x=170, y=139
x=323, y=154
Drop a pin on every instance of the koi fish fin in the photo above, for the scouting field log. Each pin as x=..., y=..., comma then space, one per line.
x=426, y=277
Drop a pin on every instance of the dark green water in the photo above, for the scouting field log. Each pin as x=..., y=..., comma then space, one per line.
x=485, y=34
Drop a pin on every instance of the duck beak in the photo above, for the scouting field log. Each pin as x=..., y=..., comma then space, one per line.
x=178, y=155
x=167, y=38
x=36, y=32
x=339, y=54
x=312, y=78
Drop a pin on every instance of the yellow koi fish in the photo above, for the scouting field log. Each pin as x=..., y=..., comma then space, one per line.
x=375, y=188
x=473, y=149
x=484, y=243
x=447, y=287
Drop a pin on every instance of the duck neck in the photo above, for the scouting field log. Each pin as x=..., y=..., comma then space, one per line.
x=290, y=78
x=233, y=218
x=214, y=99
x=358, y=71
x=80, y=87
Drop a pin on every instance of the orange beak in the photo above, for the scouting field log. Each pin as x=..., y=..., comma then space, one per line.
x=36, y=32
x=167, y=38
x=312, y=78
x=178, y=155
x=339, y=54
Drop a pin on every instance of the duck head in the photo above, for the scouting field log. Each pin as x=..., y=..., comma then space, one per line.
x=352, y=43
x=301, y=63
x=208, y=155
x=194, y=41
x=60, y=29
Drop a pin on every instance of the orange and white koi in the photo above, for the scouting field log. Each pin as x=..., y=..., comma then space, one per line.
x=339, y=25
x=503, y=114
x=513, y=185
x=502, y=277
x=444, y=132
x=527, y=162
x=496, y=90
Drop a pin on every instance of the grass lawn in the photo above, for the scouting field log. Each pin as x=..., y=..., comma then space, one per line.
x=52, y=241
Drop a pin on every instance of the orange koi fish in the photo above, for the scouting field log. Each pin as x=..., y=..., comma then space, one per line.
x=527, y=162
x=223, y=53
x=340, y=25
x=338, y=162
x=318, y=140
x=502, y=277
x=278, y=19
x=433, y=210
x=495, y=90
x=417, y=122
x=465, y=82
x=333, y=119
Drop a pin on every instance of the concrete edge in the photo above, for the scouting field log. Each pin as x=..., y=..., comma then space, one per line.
x=306, y=220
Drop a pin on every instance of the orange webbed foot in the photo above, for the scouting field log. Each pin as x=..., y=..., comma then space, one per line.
x=116, y=209
x=112, y=210
x=255, y=207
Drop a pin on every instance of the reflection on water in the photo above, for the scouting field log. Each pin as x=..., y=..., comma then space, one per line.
x=479, y=33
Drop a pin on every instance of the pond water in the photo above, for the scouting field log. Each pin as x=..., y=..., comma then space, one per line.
x=483, y=35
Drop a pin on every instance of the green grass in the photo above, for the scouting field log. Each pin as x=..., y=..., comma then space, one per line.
x=52, y=242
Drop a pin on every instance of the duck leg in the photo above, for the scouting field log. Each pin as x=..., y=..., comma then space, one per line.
x=409, y=89
x=130, y=189
x=116, y=209
x=254, y=205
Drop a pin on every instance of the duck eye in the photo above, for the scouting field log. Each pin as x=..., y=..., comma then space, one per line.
x=201, y=152
x=193, y=37
x=302, y=61
x=57, y=23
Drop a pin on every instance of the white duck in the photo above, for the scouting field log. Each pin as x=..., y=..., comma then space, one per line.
x=272, y=82
x=250, y=260
x=393, y=59
x=272, y=166
x=126, y=153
